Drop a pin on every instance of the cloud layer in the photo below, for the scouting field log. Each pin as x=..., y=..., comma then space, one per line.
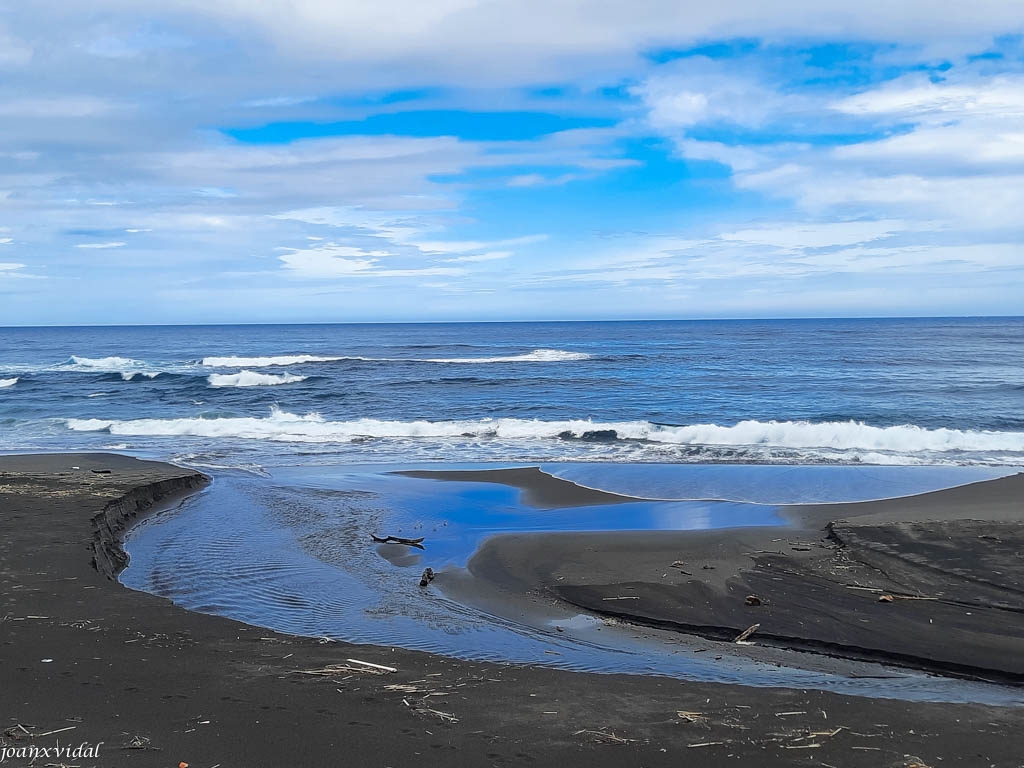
x=668, y=159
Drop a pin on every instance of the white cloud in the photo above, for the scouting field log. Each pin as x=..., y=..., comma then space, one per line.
x=480, y=257
x=100, y=246
x=6, y=240
x=802, y=235
x=13, y=52
x=530, y=40
x=463, y=246
x=331, y=260
x=9, y=266
x=55, y=107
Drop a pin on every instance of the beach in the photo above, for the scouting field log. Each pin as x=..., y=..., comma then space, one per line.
x=159, y=685
x=930, y=582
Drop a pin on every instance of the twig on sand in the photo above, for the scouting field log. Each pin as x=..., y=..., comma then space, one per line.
x=698, y=718
x=604, y=737
x=444, y=717
x=706, y=744
x=742, y=636
x=371, y=665
x=353, y=666
x=622, y=597
x=139, y=742
x=59, y=730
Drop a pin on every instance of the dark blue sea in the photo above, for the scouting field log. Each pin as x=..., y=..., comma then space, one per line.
x=909, y=391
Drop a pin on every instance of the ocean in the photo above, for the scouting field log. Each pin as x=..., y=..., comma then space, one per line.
x=888, y=392
x=705, y=424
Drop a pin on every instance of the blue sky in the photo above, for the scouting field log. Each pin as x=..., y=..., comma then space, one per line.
x=305, y=161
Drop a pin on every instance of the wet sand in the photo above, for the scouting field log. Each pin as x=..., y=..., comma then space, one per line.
x=933, y=582
x=160, y=685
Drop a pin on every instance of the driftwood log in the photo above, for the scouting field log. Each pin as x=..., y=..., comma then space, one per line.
x=418, y=543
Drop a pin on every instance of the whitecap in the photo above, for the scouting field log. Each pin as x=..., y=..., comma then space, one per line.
x=536, y=356
x=809, y=441
x=252, y=379
x=265, y=362
x=128, y=367
x=4, y=383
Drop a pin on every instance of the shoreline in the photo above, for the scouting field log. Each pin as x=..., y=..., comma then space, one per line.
x=816, y=581
x=158, y=684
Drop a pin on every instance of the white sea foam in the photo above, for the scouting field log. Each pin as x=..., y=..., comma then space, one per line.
x=4, y=383
x=128, y=367
x=877, y=444
x=252, y=379
x=264, y=362
x=536, y=356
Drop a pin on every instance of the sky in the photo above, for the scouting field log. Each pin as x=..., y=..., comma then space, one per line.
x=177, y=161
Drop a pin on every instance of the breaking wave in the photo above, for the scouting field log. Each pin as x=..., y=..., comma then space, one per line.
x=265, y=362
x=252, y=379
x=4, y=383
x=827, y=440
x=128, y=367
x=536, y=356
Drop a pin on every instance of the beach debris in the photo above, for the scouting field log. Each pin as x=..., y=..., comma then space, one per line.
x=698, y=718
x=678, y=565
x=139, y=742
x=885, y=598
x=371, y=665
x=353, y=667
x=622, y=597
x=418, y=543
x=707, y=567
x=50, y=733
x=13, y=732
x=427, y=577
x=706, y=744
x=604, y=737
x=182, y=764
x=742, y=636
x=420, y=707
x=752, y=600
x=100, y=471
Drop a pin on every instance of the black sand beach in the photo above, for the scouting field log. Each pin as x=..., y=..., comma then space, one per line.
x=160, y=686
x=932, y=582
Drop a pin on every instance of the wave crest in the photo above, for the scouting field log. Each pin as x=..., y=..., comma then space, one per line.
x=128, y=367
x=4, y=383
x=773, y=438
x=266, y=362
x=252, y=379
x=536, y=356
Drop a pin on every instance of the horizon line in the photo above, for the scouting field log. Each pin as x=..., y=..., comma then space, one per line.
x=526, y=322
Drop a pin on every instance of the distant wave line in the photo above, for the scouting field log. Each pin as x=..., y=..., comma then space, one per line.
x=536, y=356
